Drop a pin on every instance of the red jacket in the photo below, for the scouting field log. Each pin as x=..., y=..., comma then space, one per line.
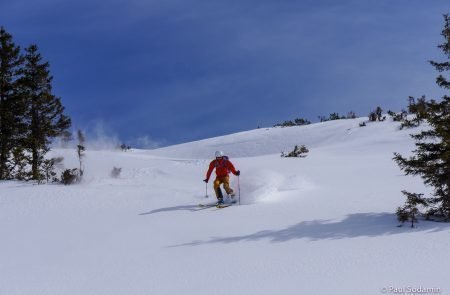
x=223, y=167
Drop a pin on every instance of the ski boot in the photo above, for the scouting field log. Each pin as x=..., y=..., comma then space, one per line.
x=232, y=196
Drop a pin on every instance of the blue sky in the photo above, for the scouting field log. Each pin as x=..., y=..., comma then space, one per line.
x=170, y=71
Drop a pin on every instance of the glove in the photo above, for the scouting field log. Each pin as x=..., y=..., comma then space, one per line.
x=206, y=180
x=238, y=173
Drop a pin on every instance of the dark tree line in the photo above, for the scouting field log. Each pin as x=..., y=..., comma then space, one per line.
x=31, y=116
x=431, y=158
x=296, y=122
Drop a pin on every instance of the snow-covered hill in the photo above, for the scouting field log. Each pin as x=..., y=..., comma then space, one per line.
x=265, y=141
x=324, y=224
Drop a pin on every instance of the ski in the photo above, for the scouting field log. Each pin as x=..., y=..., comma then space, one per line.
x=221, y=206
x=218, y=206
x=231, y=202
x=207, y=205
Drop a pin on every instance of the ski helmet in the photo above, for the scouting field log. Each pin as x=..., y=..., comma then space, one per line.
x=219, y=154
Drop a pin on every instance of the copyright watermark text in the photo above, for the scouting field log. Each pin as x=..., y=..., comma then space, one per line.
x=410, y=290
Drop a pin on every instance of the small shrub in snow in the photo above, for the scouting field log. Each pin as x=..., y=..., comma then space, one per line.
x=410, y=210
x=377, y=115
x=116, y=172
x=419, y=109
x=335, y=116
x=406, y=123
x=125, y=148
x=379, y=112
x=363, y=124
x=296, y=122
x=301, y=122
x=398, y=117
x=298, y=152
x=48, y=168
x=286, y=124
x=70, y=176
x=351, y=115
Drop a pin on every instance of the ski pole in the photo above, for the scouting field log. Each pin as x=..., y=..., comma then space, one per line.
x=206, y=185
x=239, y=190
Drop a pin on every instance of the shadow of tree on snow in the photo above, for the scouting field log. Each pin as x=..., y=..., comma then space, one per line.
x=353, y=226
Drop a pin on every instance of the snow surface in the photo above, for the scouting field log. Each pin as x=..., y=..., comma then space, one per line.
x=324, y=224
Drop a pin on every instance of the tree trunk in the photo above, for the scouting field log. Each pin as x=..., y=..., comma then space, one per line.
x=3, y=142
x=34, y=141
x=35, y=164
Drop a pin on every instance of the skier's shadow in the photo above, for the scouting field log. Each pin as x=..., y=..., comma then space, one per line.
x=191, y=208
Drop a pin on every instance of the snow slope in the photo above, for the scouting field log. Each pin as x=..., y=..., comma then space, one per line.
x=265, y=141
x=324, y=224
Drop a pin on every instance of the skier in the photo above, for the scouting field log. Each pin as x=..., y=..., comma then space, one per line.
x=223, y=167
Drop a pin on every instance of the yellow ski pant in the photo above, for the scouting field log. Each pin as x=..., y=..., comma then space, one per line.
x=225, y=180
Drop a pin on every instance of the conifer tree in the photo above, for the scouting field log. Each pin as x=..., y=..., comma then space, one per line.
x=445, y=47
x=11, y=105
x=410, y=210
x=44, y=114
x=431, y=159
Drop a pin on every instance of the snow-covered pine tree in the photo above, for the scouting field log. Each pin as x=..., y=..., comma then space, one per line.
x=11, y=105
x=431, y=159
x=45, y=113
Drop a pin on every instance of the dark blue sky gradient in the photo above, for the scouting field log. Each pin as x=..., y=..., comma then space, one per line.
x=171, y=71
